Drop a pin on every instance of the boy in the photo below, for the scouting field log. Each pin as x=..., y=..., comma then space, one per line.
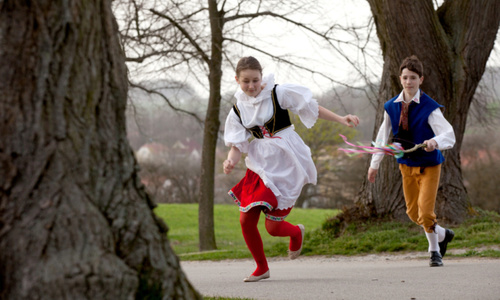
x=416, y=118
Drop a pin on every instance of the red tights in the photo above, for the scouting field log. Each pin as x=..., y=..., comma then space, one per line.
x=251, y=234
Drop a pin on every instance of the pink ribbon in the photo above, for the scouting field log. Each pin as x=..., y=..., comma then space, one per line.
x=394, y=149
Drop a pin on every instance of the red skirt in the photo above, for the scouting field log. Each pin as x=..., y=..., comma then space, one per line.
x=251, y=192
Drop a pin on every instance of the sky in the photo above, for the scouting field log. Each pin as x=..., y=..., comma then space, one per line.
x=345, y=13
x=289, y=42
x=294, y=44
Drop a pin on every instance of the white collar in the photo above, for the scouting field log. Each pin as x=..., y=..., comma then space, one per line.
x=267, y=79
x=415, y=98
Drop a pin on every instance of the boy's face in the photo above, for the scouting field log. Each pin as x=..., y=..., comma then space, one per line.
x=410, y=81
x=250, y=82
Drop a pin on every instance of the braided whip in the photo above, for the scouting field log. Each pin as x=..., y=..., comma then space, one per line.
x=394, y=149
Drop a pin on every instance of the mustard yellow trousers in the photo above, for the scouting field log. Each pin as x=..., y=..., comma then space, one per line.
x=420, y=185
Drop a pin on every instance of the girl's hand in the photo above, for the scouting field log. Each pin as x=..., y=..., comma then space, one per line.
x=347, y=120
x=228, y=166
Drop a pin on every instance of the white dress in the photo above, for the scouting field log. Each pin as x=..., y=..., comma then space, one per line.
x=283, y=162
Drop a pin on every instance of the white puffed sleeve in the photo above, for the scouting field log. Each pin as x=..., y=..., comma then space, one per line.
x=235, y=134
x=299, y=100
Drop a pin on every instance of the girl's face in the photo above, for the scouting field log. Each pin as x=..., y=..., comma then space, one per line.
x=250, y=82
x=410, y=81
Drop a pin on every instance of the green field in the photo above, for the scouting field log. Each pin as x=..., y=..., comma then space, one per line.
x=480, y=232
x=182, y=219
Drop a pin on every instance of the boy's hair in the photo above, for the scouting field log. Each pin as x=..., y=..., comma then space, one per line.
x=413, y=64
x=248, y=63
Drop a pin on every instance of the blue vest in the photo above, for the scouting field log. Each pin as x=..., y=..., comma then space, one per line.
x=419, y=130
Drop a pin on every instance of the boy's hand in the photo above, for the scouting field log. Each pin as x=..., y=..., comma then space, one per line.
x=372, y=173
x=351, y=119
x=431, y=145
x=228, y=166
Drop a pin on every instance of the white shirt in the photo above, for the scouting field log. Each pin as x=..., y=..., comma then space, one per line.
x=284, y=161
x=445, y=136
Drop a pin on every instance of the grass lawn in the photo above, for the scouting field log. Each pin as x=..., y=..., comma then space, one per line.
x=374, y=236
x=182, y=220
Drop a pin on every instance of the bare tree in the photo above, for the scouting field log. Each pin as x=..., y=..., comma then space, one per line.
x=75, y=222
x=454, y=42
x=201, y=38
x=171, y=178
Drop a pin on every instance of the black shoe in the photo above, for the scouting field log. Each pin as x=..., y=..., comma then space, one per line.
x=436, y=259
x=447, y=238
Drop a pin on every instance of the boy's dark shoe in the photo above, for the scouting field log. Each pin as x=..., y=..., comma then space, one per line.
x=444, y=244
x=436, y=259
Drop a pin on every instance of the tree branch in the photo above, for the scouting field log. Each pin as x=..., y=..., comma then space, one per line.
x=467, y=19
x=154, y=92
x=185, y=34
x=280, y=58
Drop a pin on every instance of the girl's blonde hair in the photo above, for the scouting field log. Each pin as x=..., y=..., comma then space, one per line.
x=248, y=63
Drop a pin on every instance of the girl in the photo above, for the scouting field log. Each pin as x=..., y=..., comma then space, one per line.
x=279, y=163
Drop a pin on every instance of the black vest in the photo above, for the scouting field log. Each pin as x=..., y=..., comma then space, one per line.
x=279, y=121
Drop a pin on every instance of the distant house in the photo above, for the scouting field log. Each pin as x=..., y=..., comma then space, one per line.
x=180, y=150
x=170, y=174
x=188, y=148
x=150, y=152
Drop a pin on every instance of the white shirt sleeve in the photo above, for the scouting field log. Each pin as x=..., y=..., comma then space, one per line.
x=382, y=139
x=445, y=136
x=299, y=100
x=235, y=134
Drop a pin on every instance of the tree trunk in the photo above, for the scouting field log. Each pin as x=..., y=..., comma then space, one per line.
x=454, y=44
x=75, y=222
x=212, y=123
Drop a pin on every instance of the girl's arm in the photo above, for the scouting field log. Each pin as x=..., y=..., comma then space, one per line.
x=233, y=157
x=328, y=115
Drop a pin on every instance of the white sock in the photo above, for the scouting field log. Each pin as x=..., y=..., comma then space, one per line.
x=441, y=233
x=433, y=241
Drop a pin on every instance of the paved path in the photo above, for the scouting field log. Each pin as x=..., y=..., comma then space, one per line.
x=363, y=277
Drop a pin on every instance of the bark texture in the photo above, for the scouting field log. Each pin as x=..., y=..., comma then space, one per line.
x=454, y=43
x=75, y=222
